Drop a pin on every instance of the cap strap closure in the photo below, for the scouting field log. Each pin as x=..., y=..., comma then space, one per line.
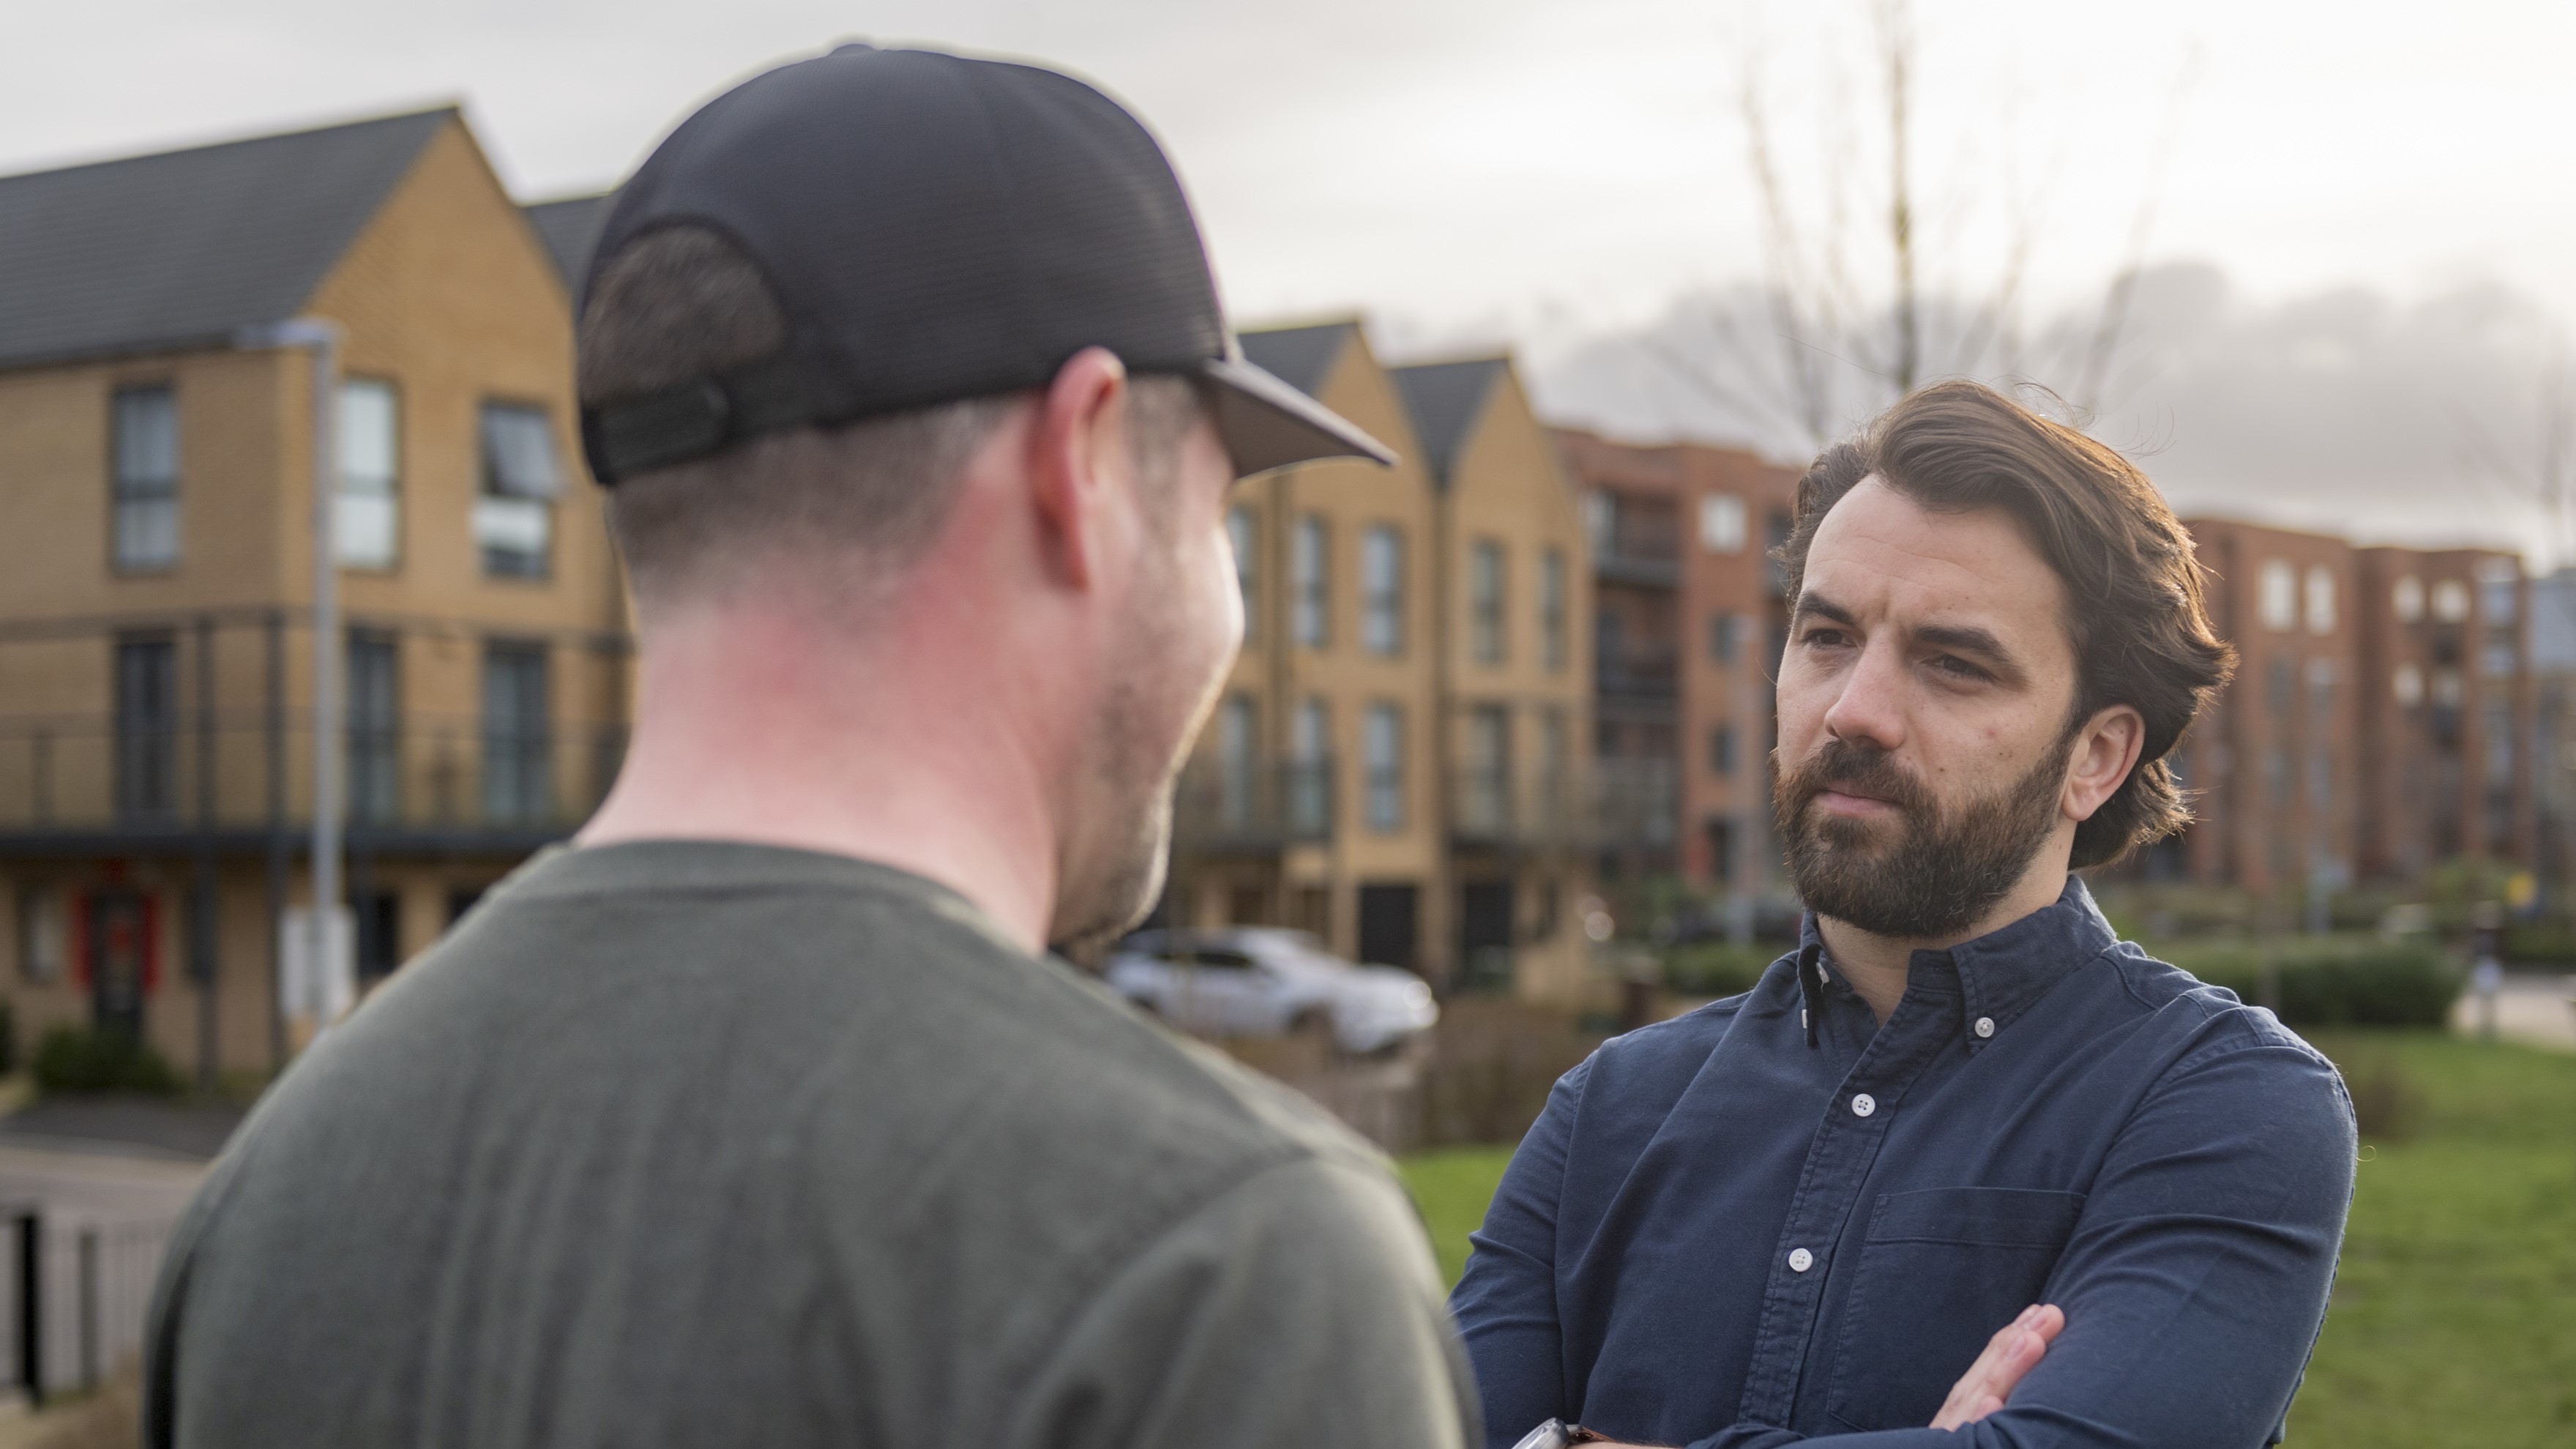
x=693, y=419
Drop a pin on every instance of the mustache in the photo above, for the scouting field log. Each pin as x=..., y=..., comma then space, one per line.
x=1855, y=769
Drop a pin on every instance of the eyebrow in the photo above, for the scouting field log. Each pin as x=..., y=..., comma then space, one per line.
x=1957, y=638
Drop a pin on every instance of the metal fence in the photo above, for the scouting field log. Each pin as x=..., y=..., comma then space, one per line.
x=78, y=1287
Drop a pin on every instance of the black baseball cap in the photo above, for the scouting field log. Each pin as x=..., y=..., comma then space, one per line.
x=936, y=228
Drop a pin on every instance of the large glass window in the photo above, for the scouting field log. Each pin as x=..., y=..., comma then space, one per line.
x=514, y=513
x=1382, y=590
x=368, y=516
x=1243, y=530
x=1310, y=562
x=1552, y=608
x=1485, y=795
x=1237, y=761
x=146, y=478
x=375, y=728
x=1721, y=523
x=1310, y=770
x=1485, y=600
x=2279, y=595
x=518, y=785
x=1382, y=754
x=2321, y=600
x=147, y=727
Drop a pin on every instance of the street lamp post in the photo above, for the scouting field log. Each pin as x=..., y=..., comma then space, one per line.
x=323, y=339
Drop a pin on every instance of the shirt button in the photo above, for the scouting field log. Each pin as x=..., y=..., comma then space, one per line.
x=1985, y=1026
x=1800, y=1260
x=1864, y=1104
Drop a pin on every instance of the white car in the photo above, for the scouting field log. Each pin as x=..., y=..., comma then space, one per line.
x=1264, y=981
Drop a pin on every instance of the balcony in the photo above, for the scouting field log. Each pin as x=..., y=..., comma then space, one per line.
x=1637, y=569
x=77, y=783
x=1495, y=809
x=1253, y=807
x=1636, y=803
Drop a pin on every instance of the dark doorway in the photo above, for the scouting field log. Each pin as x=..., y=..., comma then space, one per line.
x=120, y=957
x=1389, y=924
x=1485, y=935
x=379, y=922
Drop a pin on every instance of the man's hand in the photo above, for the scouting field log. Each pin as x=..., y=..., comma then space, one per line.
x=2015, y=1349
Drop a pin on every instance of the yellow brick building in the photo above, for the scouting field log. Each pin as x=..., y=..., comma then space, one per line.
x=1396, y=762
x=156, y=564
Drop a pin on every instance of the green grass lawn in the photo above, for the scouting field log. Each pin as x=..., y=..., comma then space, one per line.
x=2454, y=1316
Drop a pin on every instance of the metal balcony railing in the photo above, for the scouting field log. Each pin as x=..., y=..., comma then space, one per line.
x=1258, y=804
x=1636, y=803
x=419, y=775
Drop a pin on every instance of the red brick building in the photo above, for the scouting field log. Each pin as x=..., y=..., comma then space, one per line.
x=1689, y=624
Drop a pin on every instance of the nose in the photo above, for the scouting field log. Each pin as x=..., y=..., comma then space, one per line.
x=1869, y=707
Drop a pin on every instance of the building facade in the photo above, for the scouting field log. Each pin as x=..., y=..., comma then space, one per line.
x=2380, y=722
x=157, y=557
x=1387, y=765
x=1691, y=624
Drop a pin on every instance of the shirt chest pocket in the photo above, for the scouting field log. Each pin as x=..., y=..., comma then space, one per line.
x=1939, y=1272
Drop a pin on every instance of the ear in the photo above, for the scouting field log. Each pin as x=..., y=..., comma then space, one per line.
x=2106, y=750
x=1080, y=462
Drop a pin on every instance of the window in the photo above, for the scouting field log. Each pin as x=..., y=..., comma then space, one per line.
x=1485, y=600
x=44, y=934
x=2499, y=582
x=2321, y=600
x=375, y=735
x=146, y=468
x=2276, y=775
x=1382, y=754
x=378, y=916
x=1601, y=519
x=1382, y=590
x=2499, y=743
x=2407, y=599
x=1721, y=639
x=1721, y=750
x=2279, y=596
x=1310, y=558
x=2408, y=685
x=2321, y=691
x=2281, y=688
x=1721, y=523
x=1243, y=530
x=2320, y=780
x=514, y=516
x=147, y=727
x=368, y=516
x=1485, y=801
x=1551, y=608
x=518, y=786
x=1310, y=769
x=1236, y=762
x=2451, y=601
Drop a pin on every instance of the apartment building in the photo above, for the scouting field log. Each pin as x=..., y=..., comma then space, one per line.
x=157, y=559
x=2378, y=722
x=1389, y=764
x=1690, y=626
x=1513, y=675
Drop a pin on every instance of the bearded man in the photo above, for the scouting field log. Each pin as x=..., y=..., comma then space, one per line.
x=1965, y=1168
x=762, y=1117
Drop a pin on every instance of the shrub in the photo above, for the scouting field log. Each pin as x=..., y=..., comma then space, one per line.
x=1716, y=968
x=2540, y=943
x=2334, y=981
x=77, y=1059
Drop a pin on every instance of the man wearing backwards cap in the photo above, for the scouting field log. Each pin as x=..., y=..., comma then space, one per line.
x=761, y=1117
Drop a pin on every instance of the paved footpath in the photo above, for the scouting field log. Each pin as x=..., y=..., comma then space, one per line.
x=2531, y=1008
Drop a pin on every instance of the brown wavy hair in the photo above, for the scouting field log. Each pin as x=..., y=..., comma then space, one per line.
x=2137, y=615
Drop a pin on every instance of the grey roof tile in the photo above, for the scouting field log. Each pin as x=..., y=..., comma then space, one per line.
x=1444, y=399
x=185, y=248
x=570, y=228
x=1297, y=356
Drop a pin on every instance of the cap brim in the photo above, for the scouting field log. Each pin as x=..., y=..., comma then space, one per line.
x=1268, y=424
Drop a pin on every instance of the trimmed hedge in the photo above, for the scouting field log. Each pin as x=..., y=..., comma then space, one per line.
x=2332, y=981
x=1717, y=968
x=77, y=1059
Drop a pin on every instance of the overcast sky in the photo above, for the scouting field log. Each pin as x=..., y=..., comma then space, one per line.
x=1547, y=174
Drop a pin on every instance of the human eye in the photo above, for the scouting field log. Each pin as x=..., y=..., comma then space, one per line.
x=1953, y=667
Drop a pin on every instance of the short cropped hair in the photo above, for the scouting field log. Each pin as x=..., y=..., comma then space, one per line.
x=2137, y=613
x=861, y=499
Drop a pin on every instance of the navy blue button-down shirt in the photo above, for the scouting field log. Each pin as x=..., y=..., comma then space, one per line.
x=1776, y=1219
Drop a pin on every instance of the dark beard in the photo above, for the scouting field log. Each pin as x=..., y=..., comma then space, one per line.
x=1939, y=873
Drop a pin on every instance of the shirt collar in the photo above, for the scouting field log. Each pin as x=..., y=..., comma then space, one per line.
x=2000, y=974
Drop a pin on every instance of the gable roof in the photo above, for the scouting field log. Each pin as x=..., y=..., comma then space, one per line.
x=186, y=248
x=1444, y=399
x=1298, y=356
x=570, y=229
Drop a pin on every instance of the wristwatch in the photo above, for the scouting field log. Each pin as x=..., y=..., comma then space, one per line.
x=1557, y=1434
